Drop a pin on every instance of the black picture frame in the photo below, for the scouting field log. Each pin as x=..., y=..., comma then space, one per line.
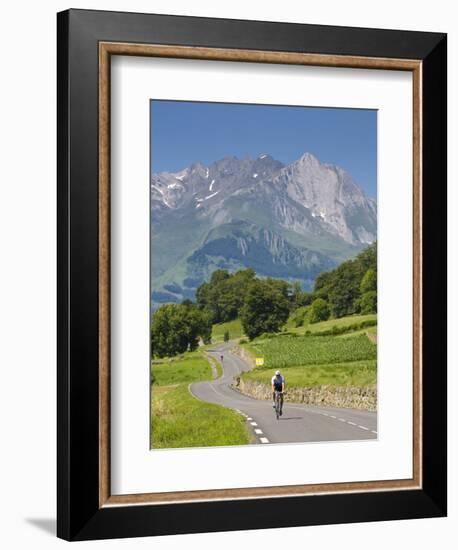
x=79, y=514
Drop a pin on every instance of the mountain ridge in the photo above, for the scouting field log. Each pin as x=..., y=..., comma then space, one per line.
x=293, y=220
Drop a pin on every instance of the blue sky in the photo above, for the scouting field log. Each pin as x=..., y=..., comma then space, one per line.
x=183, y=132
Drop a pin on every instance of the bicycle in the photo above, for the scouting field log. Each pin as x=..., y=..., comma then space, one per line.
x=278, y=403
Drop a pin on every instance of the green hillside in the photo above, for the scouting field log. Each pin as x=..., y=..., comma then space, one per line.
x=234, y=328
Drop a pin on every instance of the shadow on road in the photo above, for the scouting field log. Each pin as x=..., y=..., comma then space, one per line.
x=291, y=418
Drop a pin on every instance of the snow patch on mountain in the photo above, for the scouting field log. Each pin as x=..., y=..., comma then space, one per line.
x=212, y=195
x=306, y=197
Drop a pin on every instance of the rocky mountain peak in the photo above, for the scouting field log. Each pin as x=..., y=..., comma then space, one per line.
x=308, y=158
x=288, y=221
x=325, y=197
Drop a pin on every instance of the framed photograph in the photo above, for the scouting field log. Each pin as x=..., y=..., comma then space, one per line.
x=251, y=274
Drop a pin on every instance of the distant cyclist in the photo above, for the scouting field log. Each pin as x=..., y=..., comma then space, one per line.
x=222, y=358
x=278, y=385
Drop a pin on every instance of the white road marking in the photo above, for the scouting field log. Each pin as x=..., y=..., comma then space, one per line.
x=237, y=364
x=348, y=422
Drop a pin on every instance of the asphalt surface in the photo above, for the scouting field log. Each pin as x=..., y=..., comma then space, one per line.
x=299, y=423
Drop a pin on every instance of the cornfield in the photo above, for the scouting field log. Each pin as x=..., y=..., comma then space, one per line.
x=287, y=351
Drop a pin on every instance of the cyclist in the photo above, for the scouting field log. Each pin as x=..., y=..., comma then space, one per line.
x=278, y=385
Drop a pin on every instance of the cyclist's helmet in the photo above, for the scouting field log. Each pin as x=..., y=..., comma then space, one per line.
x=278, y=373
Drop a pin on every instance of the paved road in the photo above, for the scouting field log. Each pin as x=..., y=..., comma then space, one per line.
x=299, y=423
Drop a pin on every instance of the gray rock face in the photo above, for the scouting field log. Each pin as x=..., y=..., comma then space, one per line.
x=198, y=184
x=331, y=196
x=289, y=221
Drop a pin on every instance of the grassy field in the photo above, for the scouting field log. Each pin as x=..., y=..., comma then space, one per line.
x=288, y=351
x=356, y=373
x=344, y=322
x=236, y=331
x=183, y=369
x=233, y=327
x=313, y=360
x=178, y=419
x=367, y=330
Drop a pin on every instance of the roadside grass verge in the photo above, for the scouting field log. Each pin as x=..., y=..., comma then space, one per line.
x=181, y=420
x=186, y=368
x=233, y=327
x=178, y=419
x=217, y=365
x=355, y=373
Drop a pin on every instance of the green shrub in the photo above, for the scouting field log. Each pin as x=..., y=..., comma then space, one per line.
x=300, y=316
x=319, y=311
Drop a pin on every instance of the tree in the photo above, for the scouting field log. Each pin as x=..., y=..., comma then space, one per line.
x=226, y=336
x=295, y=293
x=319, y=311
x=266, y=308
x=343, y=287
x=199, y=326
x=369, y=302
x=206, y=326
x=369, y=281
x=368, y=258
x=322, y=284
x=223, y=296
x=344, y=294
x=304, y=299
x=169, y=331
x=176, y=328
x=300, y=315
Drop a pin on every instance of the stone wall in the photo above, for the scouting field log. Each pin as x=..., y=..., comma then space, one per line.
x=352, y=397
